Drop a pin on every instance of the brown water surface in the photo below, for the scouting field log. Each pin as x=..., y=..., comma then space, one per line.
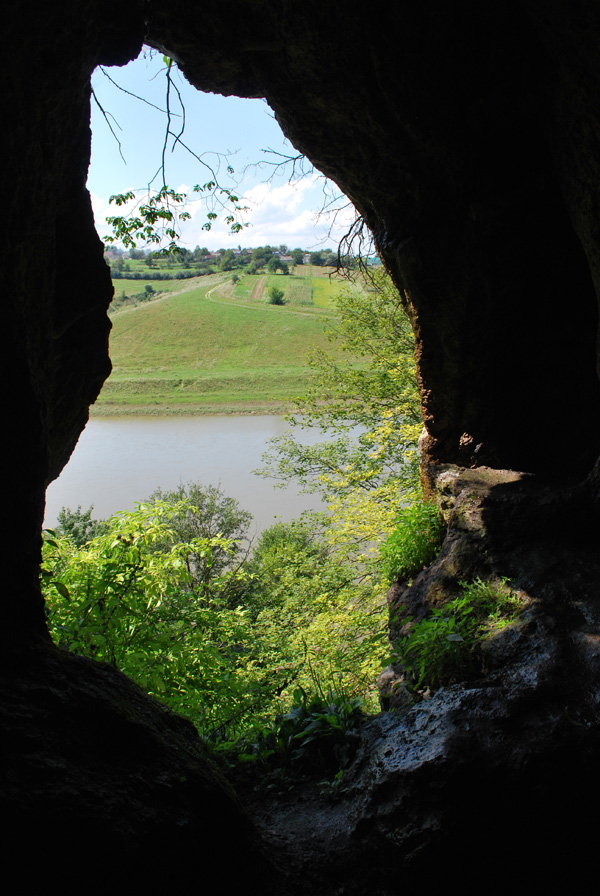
x=121, y=460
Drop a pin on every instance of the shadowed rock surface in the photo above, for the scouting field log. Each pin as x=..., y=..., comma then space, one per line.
x=469, y=139
x=489, y=782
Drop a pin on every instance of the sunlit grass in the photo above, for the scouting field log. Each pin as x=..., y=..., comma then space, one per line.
x=213, y=346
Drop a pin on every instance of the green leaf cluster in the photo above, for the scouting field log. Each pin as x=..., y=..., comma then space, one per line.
x=314, y=733
x=222, y=639
x=313, y=617
x=443, y=648
x=127, y=598
x=415, y=541
x=159, y=215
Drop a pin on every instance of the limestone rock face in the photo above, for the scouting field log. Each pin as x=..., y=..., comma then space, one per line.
x=55, y=356
x=468, y=136
x=107, y=786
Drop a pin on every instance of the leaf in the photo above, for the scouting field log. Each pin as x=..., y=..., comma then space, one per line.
x=62, y=589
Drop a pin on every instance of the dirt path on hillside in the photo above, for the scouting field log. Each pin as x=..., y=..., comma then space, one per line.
x=259, y=288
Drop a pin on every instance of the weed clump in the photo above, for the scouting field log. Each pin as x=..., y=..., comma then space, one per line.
x=444, y=647
x=317, y=734
x=414, y=543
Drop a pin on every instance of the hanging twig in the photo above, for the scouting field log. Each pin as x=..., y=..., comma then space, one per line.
x=106, y=114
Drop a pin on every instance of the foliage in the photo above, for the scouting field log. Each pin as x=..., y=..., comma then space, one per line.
x=276, y=296
x=206, y=513
x=312, y=614
x=158, y=215
x=415, y=541
x=442, y=648
x=129, y=597
x=314, y=733
x=364, y=399
x=123, y=600
x=78, y=525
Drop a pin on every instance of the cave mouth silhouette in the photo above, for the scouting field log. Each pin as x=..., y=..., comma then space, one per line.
x=470, y=147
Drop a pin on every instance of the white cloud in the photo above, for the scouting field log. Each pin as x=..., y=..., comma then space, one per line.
x=287, y=213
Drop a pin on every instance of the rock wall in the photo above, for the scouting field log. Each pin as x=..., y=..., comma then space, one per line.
x=55, y=356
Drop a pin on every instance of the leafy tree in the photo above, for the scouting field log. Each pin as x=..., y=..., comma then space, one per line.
x=127, y=598
x=261, y=255
x=227, y=260
x=204, y=512
x=298, y=256
x=369, y=412
x=276, y=296
x=311, y=615
x=276, y=264
x=78, y=525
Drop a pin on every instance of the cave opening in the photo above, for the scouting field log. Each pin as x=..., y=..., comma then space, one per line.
x=438, y=93
x=146, y=447
x=284, y=206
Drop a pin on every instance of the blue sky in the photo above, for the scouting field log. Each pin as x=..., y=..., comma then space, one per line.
x=223, y=131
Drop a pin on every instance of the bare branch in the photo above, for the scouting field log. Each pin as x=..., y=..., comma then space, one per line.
x=106, y=114
x=128, y=92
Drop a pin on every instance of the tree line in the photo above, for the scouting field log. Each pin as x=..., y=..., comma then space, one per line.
x=183, y=263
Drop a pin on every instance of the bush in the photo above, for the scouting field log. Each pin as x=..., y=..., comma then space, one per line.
x=276, y=296
x=78, y=525
x=314, y=734
x=414, y=543
x=127, y=598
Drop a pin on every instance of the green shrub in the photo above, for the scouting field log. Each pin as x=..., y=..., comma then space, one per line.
x=443, y=648
x=312, y=735
x=414, y=543
x=276, y=296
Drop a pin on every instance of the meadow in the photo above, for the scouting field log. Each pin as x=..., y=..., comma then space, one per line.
x=209, y=345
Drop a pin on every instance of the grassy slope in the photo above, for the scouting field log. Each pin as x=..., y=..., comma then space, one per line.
x=213, y=348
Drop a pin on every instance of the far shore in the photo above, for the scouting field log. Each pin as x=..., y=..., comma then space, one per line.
x=275, y=408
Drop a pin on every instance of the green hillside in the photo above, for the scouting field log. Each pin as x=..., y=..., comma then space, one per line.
x=210, y=345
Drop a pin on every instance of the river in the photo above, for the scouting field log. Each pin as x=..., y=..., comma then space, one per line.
x=121, y=460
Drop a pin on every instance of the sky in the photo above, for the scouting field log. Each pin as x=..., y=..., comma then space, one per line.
x=223, y=131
